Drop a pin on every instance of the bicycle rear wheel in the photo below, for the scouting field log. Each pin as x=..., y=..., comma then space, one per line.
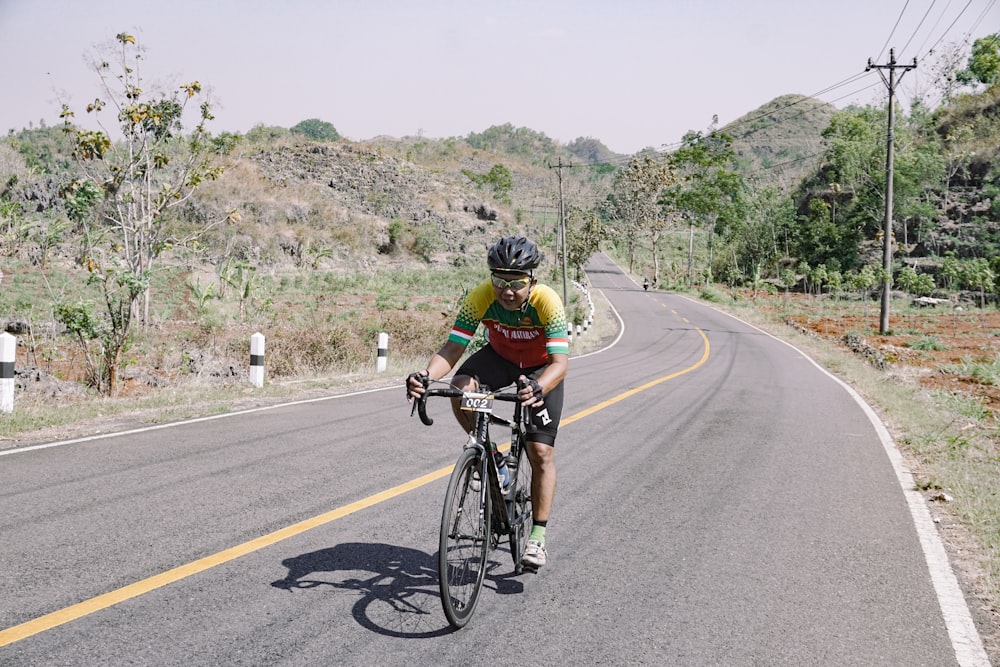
x=465, y=539
x=519, y=505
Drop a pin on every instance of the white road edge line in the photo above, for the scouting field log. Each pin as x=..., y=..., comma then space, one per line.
x=967, y=644
x=145, y=429
x=196, y=420
x=965, y=639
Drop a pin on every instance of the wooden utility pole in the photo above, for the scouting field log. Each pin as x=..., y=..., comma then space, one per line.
x=562, y=229
x=890, y=83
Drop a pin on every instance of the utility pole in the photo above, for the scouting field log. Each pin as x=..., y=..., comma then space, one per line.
x=890, y=83
x=562, y=228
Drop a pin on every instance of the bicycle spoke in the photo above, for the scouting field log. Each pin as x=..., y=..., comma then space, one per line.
x=520, y=506
x=465, y=534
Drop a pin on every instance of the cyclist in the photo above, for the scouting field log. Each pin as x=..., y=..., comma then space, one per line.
x=525, y=324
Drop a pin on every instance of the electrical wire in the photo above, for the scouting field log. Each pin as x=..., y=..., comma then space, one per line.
x=917, y=29
x=952, y=25
x=666, y=148
x=893, y=32
x=930, y=32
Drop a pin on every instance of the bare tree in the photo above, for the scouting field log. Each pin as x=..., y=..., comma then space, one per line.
x=635, y=202
x=140, y=180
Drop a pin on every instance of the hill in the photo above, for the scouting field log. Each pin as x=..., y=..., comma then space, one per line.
x=394, y=201
x=780, y=143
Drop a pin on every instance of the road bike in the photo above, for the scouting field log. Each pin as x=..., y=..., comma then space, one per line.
x=478, y=517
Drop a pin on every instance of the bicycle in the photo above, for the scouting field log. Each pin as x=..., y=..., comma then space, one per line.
x=476, y=516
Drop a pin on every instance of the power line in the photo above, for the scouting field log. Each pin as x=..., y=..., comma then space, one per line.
x=666, y=148
x=893, y=32
x=917, y=29
x=948, y=29
x=930, y=32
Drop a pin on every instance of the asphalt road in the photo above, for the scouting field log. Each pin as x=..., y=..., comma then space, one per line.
x=721, y=501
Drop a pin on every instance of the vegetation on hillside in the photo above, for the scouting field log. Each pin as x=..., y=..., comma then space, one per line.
x=788, y=196
x=322, y=242
x=825, y=229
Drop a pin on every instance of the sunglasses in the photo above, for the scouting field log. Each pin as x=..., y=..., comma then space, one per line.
x=516, y=284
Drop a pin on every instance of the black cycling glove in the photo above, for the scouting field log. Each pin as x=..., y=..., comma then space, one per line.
x=421, y=376
x=536, y=389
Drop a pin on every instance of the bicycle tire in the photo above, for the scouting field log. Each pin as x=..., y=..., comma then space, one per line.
x=519, y=506
x=465, y=539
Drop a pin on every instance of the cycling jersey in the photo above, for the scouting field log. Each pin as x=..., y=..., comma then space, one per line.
x=525, y=337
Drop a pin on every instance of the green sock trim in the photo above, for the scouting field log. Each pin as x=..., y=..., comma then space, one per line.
x=537, y=534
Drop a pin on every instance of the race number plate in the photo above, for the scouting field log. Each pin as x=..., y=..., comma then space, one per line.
x=476, y=402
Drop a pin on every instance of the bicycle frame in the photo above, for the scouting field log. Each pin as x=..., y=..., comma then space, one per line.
x=503, y=523
x=470, y=530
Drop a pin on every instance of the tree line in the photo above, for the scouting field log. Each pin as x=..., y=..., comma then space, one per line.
x=824, y=232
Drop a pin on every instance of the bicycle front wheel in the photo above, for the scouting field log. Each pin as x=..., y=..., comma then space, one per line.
x=519, y=504
x=465, y=538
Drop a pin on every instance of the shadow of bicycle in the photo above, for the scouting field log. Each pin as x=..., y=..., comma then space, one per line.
x=398, y=586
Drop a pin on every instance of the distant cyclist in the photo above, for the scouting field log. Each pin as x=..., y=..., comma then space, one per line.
x=525, y=324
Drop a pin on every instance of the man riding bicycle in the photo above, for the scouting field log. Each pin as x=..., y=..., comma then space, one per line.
x=525, y=324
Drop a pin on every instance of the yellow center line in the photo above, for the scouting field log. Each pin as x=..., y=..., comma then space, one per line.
x=632, y=392
x=81, y=609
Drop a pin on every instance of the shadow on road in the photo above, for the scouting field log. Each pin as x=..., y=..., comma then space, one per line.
x=398, y=585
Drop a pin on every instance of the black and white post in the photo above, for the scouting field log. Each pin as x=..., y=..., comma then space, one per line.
x=8, y=346
x=257, y=359
x=383, y=352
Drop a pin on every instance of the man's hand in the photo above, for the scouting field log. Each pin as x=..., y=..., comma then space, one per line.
x=529, y=392
x=416, y=384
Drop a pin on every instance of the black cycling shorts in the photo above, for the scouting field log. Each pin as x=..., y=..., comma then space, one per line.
x=496, y=372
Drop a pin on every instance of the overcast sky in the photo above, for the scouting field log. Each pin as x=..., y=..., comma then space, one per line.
x=631, y=73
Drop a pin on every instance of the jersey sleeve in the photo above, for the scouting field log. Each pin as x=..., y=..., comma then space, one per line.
x=553, y=316
x=470, y=314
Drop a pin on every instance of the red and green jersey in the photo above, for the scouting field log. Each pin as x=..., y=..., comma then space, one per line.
x=525, y=337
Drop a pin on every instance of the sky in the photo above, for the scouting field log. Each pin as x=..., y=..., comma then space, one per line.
x=631, y=73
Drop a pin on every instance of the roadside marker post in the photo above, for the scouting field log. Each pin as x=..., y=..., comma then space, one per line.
x=257, y=359
x=8, y=347
x=383, y=352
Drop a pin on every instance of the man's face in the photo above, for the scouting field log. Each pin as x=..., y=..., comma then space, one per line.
x=511, y=288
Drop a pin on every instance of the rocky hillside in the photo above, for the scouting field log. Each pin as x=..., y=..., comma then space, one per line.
x=781, y=142
x=341, y=205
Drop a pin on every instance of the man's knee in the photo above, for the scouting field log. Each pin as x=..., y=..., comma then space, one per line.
x=542, y=453
x=464, y=383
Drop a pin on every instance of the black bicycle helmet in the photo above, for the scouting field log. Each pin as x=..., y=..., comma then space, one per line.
x=514, y=253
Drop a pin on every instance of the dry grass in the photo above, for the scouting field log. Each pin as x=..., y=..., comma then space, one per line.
x=321, y=332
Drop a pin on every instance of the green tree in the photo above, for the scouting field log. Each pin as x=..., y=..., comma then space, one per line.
x=758, y=239
x=521, y=141
x=951, y=272
x=907, y=279
x=143, y=179
x=584, y=232
x=634, y=204
x=863, y=282
x=920, y=173
x=984, y=63
x=316, y=129
x=977, y=273
x=498, y=179
x=708, y=191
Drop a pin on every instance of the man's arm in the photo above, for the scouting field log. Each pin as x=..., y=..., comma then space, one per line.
x=444, y=359
x=548, y=380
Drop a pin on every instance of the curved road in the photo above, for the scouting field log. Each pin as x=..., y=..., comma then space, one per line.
x=722, y=501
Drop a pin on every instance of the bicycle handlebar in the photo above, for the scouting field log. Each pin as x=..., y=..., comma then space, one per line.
x=420, y=404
